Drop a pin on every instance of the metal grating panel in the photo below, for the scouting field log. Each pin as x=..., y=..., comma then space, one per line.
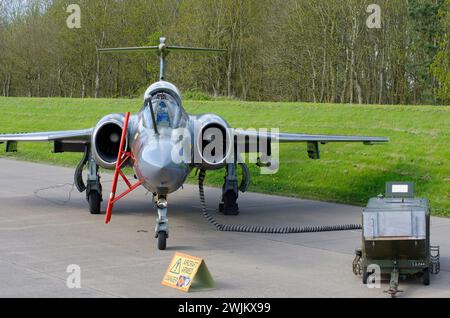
x=406, y=224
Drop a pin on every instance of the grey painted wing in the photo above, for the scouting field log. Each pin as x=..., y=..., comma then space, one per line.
x=288, y=137
x=82, y=136
x=249, y=141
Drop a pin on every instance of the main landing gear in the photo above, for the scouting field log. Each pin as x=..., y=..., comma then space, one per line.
x=94, y=187
x=230, y=189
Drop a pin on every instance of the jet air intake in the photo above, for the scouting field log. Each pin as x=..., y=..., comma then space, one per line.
x=106, y=140
x=214, y=146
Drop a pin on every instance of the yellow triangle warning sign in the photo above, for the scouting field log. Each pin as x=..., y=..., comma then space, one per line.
x=176, y=267
x=186, y=271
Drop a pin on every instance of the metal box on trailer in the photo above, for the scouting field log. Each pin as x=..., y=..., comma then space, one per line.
x=396, y=236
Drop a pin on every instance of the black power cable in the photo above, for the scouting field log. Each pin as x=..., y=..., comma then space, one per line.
x=262, y=228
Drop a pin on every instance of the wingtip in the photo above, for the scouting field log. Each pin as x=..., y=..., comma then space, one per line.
x=373, y=142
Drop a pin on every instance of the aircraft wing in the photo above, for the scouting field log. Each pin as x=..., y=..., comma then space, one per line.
x=65, y=140
x=290, y=137
x=244, y=137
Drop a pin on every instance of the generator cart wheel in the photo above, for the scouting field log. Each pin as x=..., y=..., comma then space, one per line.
x=426, y=276
x=365, y=276
x=162, y=240
x=94, y=199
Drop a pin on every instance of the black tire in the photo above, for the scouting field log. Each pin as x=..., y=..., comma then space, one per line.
x=95, y=201
x=230, y=206
x=365, y=276
x=426, y=277
x=162, y=240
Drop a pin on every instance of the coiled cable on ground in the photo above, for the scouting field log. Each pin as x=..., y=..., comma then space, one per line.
x=262, y=228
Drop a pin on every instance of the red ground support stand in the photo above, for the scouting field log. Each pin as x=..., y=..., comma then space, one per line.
x=122, y=157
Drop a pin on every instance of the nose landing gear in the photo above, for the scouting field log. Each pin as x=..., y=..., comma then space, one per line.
x=162, y=222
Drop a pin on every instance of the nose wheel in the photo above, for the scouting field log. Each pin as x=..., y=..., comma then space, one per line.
x=162, y=222
x=162, y=240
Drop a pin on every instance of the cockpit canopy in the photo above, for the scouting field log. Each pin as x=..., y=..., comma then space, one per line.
x=166, y=103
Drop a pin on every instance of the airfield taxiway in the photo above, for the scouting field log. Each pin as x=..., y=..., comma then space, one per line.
x=42, y=232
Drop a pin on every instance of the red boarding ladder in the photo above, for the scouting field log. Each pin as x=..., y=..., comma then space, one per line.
x=122, y=157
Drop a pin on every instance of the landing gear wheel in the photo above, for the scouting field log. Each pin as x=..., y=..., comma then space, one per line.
x=426, y=277
x=95, y=200
x=229, y=205
x=162, y=240
x=365, y=276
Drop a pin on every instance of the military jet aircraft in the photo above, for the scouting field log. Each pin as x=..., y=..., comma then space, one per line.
x=163, y=143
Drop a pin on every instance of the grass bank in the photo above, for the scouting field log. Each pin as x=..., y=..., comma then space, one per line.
x=419, y=148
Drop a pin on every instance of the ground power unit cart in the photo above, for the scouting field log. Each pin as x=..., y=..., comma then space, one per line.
x=396, y=238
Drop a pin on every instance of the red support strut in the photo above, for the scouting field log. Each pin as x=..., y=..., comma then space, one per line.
x=122, y=156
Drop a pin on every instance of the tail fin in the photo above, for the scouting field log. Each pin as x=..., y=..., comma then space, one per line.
x=157, y=48
x=162, y=49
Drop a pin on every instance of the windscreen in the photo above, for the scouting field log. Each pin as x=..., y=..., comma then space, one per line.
x=166, y=110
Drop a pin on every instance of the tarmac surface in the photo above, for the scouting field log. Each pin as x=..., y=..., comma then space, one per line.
x=42, y=232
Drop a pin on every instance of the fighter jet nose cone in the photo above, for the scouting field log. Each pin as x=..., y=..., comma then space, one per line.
x=160, y=162
x=160, y=172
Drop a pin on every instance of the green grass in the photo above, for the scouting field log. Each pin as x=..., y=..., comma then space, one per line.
x=419, y=149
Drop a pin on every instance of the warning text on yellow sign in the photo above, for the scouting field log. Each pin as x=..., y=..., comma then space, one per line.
x=181, y=271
